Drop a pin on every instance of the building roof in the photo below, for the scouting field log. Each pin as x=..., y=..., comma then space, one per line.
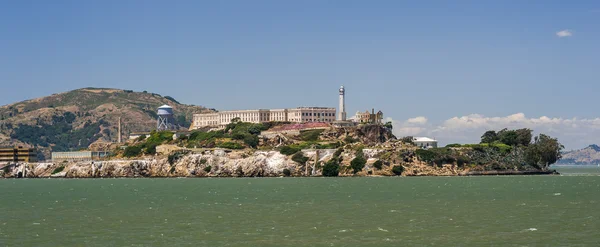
x=424, y=139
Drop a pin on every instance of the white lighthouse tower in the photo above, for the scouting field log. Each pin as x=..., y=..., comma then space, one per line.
x=342, y=107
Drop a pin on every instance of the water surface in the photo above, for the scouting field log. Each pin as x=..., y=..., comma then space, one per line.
x=390, y=211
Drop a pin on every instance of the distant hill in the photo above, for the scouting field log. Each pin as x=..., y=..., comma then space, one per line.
x=586, y=156
x=78, y=118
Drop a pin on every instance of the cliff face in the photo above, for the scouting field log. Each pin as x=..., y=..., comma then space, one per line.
x=219, y=164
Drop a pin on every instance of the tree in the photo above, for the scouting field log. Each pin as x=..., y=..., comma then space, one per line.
x=378, y=164
x=508, y=137
x=543, y=152
x=397, y=170
x=489, y=137
x=407, y=139
x=358, y=164
x=331, y=168
x=523, y=136
x=389, y=125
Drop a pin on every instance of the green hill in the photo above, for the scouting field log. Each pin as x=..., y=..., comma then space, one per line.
x=73, y=120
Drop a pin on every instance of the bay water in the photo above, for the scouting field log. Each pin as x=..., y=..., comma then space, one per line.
x=359, y=211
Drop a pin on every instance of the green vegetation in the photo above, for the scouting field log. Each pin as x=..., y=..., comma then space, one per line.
x=398, y=170
x=358, y=163
x=508, y=137
x=378, y=164
x=388, y=125
x=60, y=133
x=58, y=169
x=172, y=99
x=207, y=169
x=132, y=151
x=349, y=139
x=231, y=145
x=300, y=158
x=148, y=145
x=289, y=150
x=407, y=139
x=331, y=168
x=425, y=155
x=543, y=152
x=175, y=156
x=310, y=135
x=287, y=172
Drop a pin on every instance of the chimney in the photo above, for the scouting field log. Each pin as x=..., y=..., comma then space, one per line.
x=119, y=134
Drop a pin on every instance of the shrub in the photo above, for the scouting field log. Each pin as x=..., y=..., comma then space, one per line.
x=338, y=152
x=358, y=164
x=141, y=138
x=331, y=168
x=173, y=157
x=58, y=169
x=300, y=158
x=231, y=145
x=407, y=140
x=287, y=172
x=310, y=135
x=207, y=169
x=132, y=151
x=251, y=141
x=349, y=139
x=397, y=170
x=150, y=148
x=287, y=150
x=425, y=155
x=462, y=160
x=378, y=164
x=203, y=161
x=453, y=145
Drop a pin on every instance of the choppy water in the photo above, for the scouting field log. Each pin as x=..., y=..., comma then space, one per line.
x=392, y=211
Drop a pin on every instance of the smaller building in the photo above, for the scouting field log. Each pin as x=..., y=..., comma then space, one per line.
x=17, y=154
x=369, y=117
x=78, y=156
x=425, y=142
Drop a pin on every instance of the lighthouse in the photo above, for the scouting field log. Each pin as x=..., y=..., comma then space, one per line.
x=342, y=106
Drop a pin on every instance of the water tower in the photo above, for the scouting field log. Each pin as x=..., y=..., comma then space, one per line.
x=165, y=118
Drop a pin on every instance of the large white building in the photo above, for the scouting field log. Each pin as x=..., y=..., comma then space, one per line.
x=295, y=115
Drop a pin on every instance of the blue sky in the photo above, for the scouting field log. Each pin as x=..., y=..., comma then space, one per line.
x=436, y=60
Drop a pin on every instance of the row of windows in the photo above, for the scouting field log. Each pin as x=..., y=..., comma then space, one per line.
x=318, y=114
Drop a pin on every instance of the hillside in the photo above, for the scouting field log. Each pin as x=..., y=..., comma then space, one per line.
x=586, y=156
x=78, y=118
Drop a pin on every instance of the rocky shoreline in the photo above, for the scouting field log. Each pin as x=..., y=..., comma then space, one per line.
x=236, y=164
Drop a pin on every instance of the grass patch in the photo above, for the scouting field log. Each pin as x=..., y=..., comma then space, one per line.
x=58, y=169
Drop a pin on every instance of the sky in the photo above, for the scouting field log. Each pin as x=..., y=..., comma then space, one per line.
x=444, y=69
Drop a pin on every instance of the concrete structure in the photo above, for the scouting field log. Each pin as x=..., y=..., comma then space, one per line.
x=369, y=117
x=17, y=154
x=294, y=115
x=425, y=142
x=165, y=118
x=78, y=156
x=342, y=106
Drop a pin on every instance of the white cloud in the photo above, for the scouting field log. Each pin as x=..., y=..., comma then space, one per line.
x=564, y=33
x=572, y=132
x=417, y=120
